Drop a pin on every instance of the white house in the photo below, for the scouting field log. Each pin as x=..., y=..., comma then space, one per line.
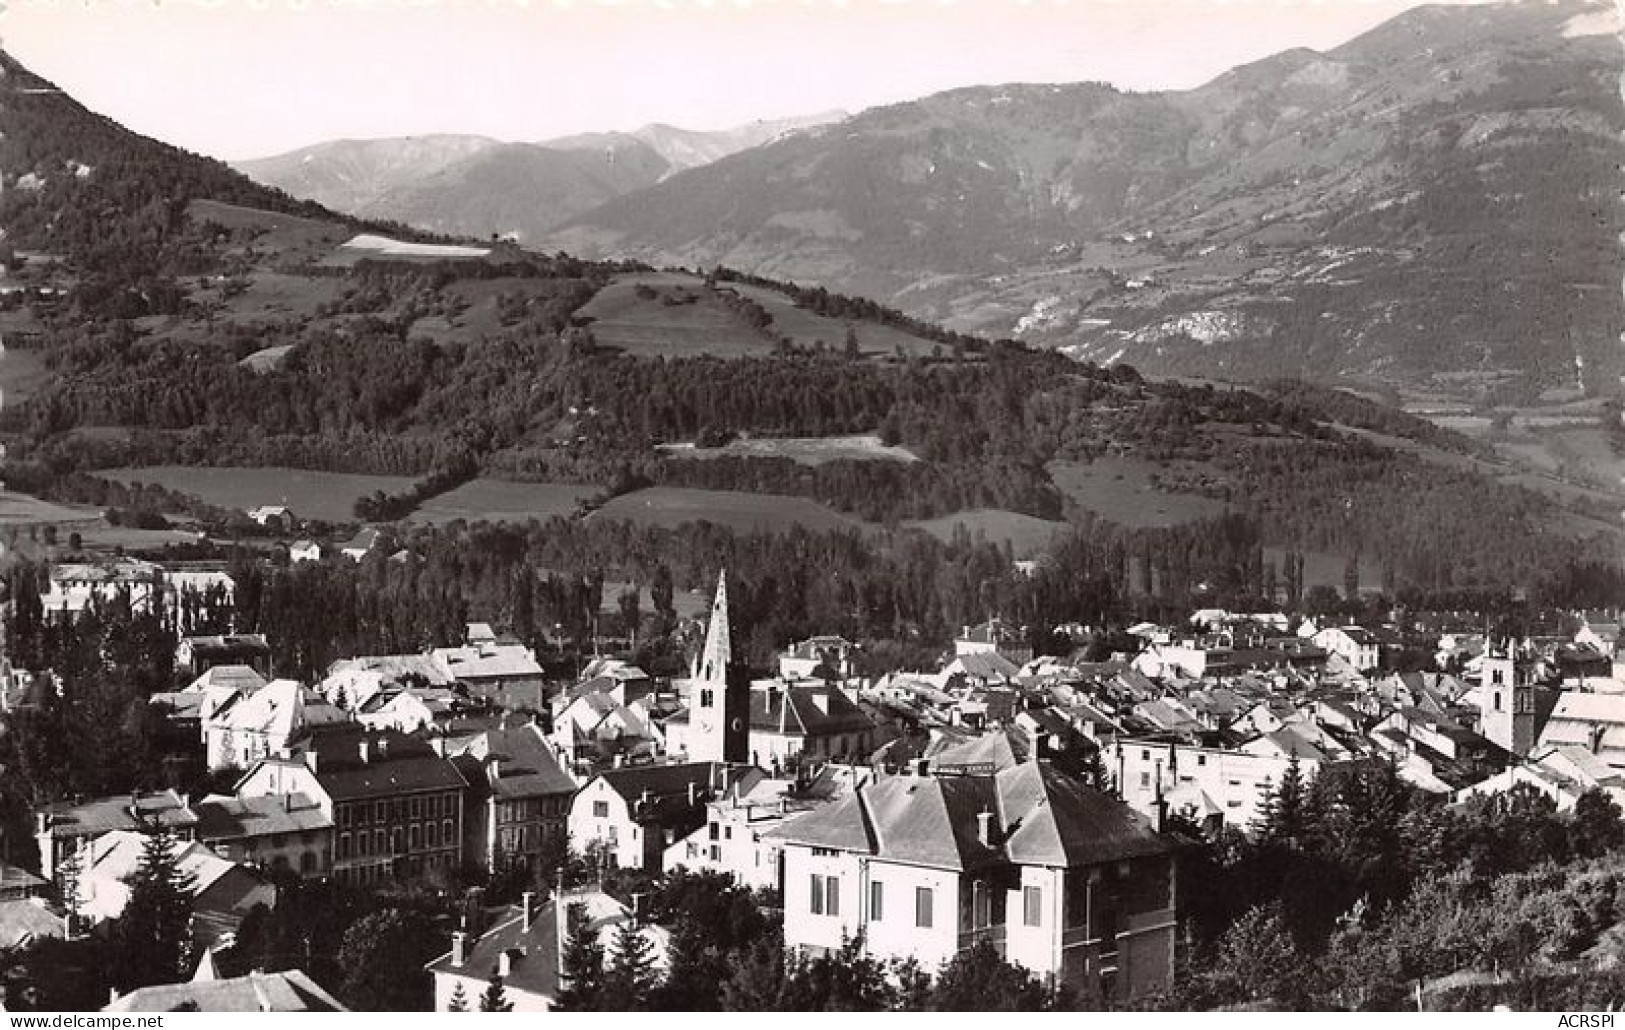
x=525, y=948
x=1359, y=647
x=736, y=839
x=250, y=726
x=636, y=813
x=1227, y=783
x=1076, y=885
x=304, y=550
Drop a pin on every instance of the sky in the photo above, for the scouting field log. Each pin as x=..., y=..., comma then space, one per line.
x=237, y=79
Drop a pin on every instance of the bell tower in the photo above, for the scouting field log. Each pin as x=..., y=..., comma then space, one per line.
x=719, y=692
x=1507, y=701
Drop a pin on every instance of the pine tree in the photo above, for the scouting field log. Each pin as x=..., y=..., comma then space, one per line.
x=631, y=976
x=459, y=999
x=1281, y=817
x=584, y=972
x=494, y=999
x=153, y=936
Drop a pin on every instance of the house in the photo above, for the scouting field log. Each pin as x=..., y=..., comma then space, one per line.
x=362, y=544
x=1059, y=877
x=1229, y=783
x=279, y=833
x=1599, y=633
x=223, y=892
x=489, y=670
x=994, y=637
x=788, y=721
x=395, y=803
x=253, y=726
x=304, y=550
x=636, y=813
x=74, y=586
x=524, y=948
x=67, y=826
x=978, y=669
x=593, y=730
x=1563, y=774
x=25, y=920
x=290, y=991
x=517, y=806
x=1359, y=647
x=272, y=516
x=351, y=682
x=737, y=838
x=824, y=657
x=197, y=655
x=1593, y=722
x=409, y=710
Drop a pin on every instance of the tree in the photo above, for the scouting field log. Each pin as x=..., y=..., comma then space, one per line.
x=152, y=938
x=382, y=957
x=459, y=999
x=584, y=986
x=494, y=999
x=1597, y=829
x=1257, y=959
x=631, y=977
x=978, y=979
x=628, y=603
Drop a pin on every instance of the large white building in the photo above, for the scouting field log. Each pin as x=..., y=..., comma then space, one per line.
x=1060, y=878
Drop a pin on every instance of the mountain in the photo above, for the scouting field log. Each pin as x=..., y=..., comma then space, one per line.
x=1429, y=205
x=691, y=148
x=475, y=186
x=351, y=175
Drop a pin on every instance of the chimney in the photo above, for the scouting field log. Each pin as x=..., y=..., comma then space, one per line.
x=527, y=905
x=504, y=965
x=365, y=748
x=459, y=948
x=922, y=767
x=287, y=802
x=690, y=792
x=620, y=759
x=42, y=822
x=984, y=828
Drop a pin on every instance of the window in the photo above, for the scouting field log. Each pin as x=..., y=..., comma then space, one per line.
x=378, y=811
x=344, y=845
x=727, y=833
x=378, y=842
x=600, y=809
x=412, y=838
x=922, y=907
x=431, y=834
x=713, y=831
x=824, y=895
x=705, y=699
x=1145, y=779
x=415, y=807
x=1497, y=700
x=1201, y=759
x=877, y=900
x=1032, y=906
x=716, y=853
x=448, y=835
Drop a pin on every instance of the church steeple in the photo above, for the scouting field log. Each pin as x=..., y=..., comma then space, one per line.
x=718, y=652
x=719, y=693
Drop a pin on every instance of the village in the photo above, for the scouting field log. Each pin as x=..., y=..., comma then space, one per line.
x=1034, y=803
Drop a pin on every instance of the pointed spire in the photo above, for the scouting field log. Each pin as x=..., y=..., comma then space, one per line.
x=718, y=652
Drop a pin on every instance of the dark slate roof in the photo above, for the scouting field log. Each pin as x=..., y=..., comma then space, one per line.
x=1037, y=817
x=518, y=763
x=403, y=765
x=1054, y=820
x=533, y=955
x=796, y=709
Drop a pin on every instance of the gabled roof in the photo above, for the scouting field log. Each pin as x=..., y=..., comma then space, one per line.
x=985, y=665
x=1054, y=820
x=517, y=763
x=1036, y=816
x=670, y=783
x=806, y=711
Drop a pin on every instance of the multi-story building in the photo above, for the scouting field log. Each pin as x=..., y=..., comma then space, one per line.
x=396, y=805
x=634, y=814
x=66, y=827
x=518, y=801
x=1058, y=877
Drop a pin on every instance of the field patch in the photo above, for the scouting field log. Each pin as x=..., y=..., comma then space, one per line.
x=649, y=315
x=1122, y=490
x=808, y=329
x=370, y=245
x=22, y=373
x=671, y=506
x=495, y=500
x=26, y=510
x=328, y=496
x=1027, y=536
x=804, y=450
